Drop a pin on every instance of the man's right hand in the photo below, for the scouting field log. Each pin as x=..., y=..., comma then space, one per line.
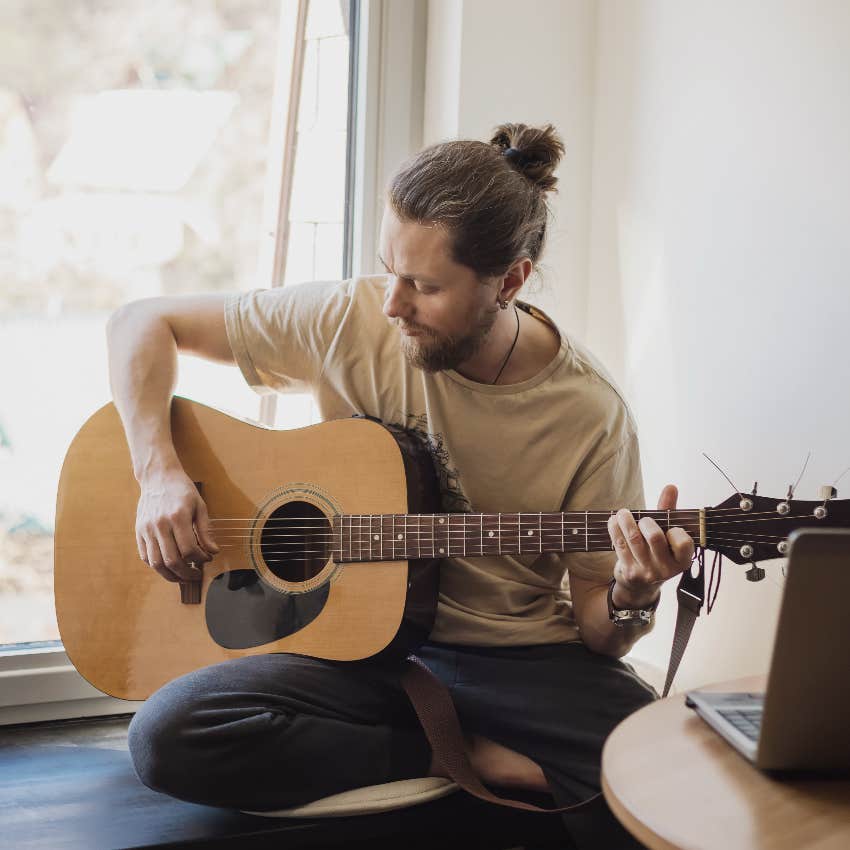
x=172, y=526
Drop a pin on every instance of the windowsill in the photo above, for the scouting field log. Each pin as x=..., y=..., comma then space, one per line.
x=38, y=682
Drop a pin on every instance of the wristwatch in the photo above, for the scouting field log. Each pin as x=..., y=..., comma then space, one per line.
x=623, y=617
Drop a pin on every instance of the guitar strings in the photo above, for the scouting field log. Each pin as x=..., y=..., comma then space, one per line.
x=550, y=529
x=251, y=522
x=581, y=528
x=606, y=513
x=720, y=539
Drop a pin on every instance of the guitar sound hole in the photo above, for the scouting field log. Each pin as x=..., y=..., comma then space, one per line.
x=296, y=541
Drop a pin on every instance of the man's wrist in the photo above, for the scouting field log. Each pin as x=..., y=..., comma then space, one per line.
x=156, y=466
x=644, y=597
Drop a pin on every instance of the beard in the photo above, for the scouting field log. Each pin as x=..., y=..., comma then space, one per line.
x=434, y=352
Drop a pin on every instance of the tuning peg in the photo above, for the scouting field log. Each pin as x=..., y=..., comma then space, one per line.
x=755, y=573
x=747, y=504
x=827, y=492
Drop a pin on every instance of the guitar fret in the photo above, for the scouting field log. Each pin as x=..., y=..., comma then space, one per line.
x=481, y=526
x=540, y=529
x=464, y=531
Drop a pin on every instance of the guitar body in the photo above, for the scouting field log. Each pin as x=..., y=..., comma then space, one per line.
x=128, y=631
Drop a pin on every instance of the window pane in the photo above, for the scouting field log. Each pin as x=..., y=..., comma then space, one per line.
x=134, y=138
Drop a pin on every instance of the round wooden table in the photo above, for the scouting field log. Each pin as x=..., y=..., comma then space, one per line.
x=673, y=782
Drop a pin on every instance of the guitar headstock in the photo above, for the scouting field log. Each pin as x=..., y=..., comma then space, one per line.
x=747, y=528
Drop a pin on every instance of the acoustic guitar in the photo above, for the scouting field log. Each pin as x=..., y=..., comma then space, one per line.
x=331, y=541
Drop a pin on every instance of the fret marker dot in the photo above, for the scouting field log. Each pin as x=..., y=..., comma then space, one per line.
x=575, y=531
x=441, y=521
x=530, y=533
x=399, y=537
x=376, y=537
x=490, y=534
x=442, y=550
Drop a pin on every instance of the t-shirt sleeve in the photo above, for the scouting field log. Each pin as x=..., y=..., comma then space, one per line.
x=616, y=482
x=280, y=337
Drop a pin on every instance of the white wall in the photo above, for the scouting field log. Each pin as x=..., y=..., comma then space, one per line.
x=701, y=244
x=719, y=274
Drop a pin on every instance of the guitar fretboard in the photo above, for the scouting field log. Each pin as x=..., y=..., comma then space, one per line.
x=389, y=537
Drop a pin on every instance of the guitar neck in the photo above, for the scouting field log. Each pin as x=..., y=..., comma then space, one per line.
x=391, y=537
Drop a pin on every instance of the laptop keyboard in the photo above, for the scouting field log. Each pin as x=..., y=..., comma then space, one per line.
x=745, y=720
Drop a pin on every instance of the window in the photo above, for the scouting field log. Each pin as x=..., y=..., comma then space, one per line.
x=138, y=157
x=135, y=160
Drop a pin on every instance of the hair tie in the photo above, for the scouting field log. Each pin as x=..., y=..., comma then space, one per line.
x=514, y=155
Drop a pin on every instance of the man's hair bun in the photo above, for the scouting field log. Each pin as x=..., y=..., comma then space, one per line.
x=533, y=151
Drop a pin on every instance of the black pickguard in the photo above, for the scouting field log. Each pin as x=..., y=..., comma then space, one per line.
x=243, y=611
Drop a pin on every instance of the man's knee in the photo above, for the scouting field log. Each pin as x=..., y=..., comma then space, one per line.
x=154, y=739
x=194, y=741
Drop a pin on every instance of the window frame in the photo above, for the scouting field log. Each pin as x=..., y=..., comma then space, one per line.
x=38, y=681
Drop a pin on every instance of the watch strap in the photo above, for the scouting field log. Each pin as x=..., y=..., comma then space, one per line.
x=629, y=616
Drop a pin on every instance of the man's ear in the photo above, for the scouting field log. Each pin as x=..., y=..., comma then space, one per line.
x=514, y=279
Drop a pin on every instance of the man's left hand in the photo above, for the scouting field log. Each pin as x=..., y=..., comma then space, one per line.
x=646, y=556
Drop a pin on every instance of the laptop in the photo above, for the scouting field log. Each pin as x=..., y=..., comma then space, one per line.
x=802, y=720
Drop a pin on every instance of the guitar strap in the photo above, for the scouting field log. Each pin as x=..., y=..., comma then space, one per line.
x=690, y=594
x=433, y=705
x=436, y=712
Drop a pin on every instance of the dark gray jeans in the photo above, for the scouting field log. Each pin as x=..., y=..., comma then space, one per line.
x=272, y=731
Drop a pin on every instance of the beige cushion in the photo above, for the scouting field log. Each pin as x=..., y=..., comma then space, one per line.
x=371, y=799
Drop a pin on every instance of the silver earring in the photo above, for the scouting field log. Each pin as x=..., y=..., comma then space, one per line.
x=503, y=304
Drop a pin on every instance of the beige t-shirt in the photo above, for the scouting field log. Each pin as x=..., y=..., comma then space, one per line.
x=562, y=440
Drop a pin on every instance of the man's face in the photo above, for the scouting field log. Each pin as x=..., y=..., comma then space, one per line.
x=442, y=311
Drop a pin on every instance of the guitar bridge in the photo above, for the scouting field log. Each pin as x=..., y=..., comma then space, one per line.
x=190, y=591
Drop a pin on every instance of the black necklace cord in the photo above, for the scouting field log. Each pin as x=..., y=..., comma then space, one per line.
x=513, y=345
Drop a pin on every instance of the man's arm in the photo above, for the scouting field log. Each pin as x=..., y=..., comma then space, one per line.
x=143, y=340
x=598, y=633
x=646, y=557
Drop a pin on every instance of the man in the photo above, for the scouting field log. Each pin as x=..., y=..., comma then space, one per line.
x=517, y=418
